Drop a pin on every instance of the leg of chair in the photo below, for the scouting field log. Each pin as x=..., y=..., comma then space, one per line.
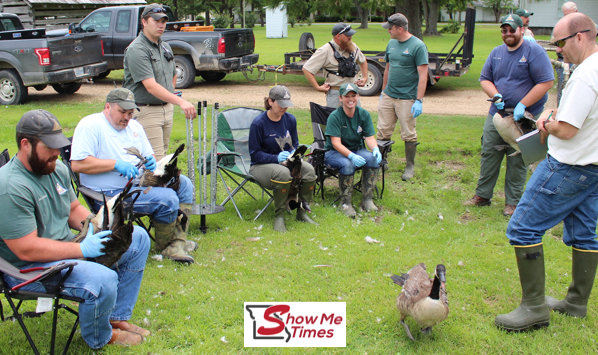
x=142, y=225
x=23, y=327
x=54, y=321
x=73, y=330
x=230, y=197
x=263, y=209
x=239, y=186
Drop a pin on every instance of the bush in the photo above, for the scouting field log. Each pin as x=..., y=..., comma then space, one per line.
x=322, y=18
x=292, y=20
x=200, y=18
x=250, y=19
x=378, y=19
x=351, y=18
x=451, y=27
x=221, y=21
x=336, y=18
x=309, y=21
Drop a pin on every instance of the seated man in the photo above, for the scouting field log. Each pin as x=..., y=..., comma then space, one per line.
x=98, y=153
x=348, y=126
x=38, y=208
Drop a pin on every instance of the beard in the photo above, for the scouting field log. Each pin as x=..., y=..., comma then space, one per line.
x=40, y=167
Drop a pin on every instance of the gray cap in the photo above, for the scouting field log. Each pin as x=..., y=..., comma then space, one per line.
x=123, y=97
x=156, y=11
x=512, y=20
x=45, y=126
x=347, y=88
x=282, y=95
x=343, y=28
x=397, y=19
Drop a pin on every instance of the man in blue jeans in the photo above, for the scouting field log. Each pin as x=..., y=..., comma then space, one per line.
x=98, y=153
x=38, y=208
x=564, y=187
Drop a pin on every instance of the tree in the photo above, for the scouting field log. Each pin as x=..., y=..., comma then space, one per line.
x=498, y=7
x=431, y=9
x=410, y=8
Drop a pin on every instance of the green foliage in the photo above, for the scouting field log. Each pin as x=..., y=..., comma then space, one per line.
x=221, y=21
x=292, y=20
x=200, y=17
x=351, y=18
x=377, y=18
x=452, y=27
x=250, y=19
x=328, y=18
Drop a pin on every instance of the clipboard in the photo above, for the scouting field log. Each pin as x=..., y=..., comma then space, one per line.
x=531, y=148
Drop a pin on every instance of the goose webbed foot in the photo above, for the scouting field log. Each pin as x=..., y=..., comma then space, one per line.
x=407, y=330
x=427, y=330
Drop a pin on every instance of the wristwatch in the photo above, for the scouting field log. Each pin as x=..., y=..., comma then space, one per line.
x=420, y=100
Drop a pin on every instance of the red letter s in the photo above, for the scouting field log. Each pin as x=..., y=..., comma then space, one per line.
x=282, y=309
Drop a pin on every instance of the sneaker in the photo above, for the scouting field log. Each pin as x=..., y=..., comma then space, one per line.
x=509, y=210
x=124, y=338
x=477, y=201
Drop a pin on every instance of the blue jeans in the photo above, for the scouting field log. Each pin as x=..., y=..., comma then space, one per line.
x=162, y=203
x=344, y=165
x=558, y=192
x=109, y=293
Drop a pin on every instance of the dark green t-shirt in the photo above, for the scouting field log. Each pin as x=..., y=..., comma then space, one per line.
x=145, y=59
x=404, y=58
x=29, y=201
x=351, y=130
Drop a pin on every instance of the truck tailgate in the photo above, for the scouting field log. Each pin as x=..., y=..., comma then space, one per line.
x=74, y=51
x=238, y=42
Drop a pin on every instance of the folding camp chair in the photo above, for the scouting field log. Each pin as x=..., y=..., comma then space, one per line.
x=319, y=120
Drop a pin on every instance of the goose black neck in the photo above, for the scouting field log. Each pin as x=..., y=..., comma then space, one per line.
x=435, y=293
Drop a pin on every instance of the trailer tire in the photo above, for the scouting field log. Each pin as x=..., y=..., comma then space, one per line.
x=212, y=76
x=185, y=71
x=373, y=82
x=67, y=88
x=307, y=42
x=12, y=90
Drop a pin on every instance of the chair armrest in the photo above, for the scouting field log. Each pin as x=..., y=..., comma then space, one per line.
x=98, y=196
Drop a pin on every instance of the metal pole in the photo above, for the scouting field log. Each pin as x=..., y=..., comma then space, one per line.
x=214, y=156
x=205, y=150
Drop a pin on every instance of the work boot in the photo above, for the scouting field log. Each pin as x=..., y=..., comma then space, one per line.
x=509, y=210
x=171, y=242
x=410, y=150
x=369, y=177
x=281, y=192
x=345, y=183
x=533, y=311
x=125, y=338
x=190, y=245
x=305, y=194
x=477, y=201
x=583, y=273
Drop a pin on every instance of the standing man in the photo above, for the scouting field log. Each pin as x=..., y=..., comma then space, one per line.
x=38, y=209
x=564, y=187
x=527, y=33
x=339, y=59
x=150, y=74
x=404, y=86
x=518, y=74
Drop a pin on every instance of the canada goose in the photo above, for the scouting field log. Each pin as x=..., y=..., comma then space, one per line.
x=166, y=173
x=510, y=130
x=293, y=162
x=422, y=298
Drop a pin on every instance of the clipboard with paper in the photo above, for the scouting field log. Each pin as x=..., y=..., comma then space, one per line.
x=532, y=150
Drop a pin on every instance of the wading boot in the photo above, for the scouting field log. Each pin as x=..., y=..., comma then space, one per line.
x=345, y=183
x=280, y=191
x=369, y=178
x=190, y=245
x=305, y=194
x=410, y=150
x=583, y=274
x=171, y=241
x=533, y=311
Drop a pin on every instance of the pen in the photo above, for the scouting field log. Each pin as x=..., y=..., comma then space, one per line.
x=544, y=123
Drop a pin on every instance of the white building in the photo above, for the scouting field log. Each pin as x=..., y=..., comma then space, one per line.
x=277, y=22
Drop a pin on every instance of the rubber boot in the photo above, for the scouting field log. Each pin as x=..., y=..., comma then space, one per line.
x=280, y=192
x=170, y=241
x=305, y=194
x=410, y=150
x=583, y=274
x=190, y=245
x=369, y=184
x=533, y=311
x=345, y=183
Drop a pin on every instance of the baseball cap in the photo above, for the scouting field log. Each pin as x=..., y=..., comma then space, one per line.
x=346, y=88
x=343, y=28
x=512, y=20
x=397, y=19
x=45, y=126
x=282, y=95
x=156, y=11
x=123, y=97
x=523, y=13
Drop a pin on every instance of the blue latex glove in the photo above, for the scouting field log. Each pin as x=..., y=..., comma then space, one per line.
x=358, y=160
x=91, y=245
x=151, y=163
x=377, y=155
x=499, y=104
x=282, y=156
x=519, y=111
x=380, y=99
x=416, y=109
x=126, y=169
x=529, y=38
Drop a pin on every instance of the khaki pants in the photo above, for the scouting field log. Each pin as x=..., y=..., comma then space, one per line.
x=392, y=110
x=265, y=173
x=157, y=123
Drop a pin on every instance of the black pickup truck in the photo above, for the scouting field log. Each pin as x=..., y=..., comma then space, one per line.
x=30, y=58
x=209, y=54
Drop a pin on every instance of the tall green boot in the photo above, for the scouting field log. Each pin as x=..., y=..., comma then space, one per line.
x=533, y=311
x=171, y=242
x=190, y=245
x=345, y=183
x=369, y=178
x=583, y=274
x=280, y=192
x=410, y=150
x=305, y=194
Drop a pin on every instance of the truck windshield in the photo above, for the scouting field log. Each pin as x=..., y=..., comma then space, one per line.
x=10, y=24
x=97, y=22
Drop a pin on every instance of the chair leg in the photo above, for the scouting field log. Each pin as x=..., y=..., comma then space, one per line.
x=22, y=324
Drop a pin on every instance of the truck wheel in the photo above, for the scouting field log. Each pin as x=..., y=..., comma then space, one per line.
x=373, y=82
x=307, y=42
x=103, y=74
x=185, y=71
x=212, y=76
x=67, y=88
x=12, y=90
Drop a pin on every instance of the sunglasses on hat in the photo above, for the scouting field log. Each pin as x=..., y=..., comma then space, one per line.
x=157, y=10
x=561, y=42
x=348, y=28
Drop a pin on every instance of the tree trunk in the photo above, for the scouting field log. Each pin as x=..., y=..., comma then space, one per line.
x=459, y=19
x=232, y=17
x=362, y=13
x=432, y=18
x=176, y=10
x=426, y=9
x=207, y=21
x=411, y=11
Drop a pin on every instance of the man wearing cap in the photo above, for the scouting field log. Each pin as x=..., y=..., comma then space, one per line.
x=347, y=129
x=150, y=74
x=339, y=59
x=517, y=76
x=98, y=154
x=528, y=35
x=38, y=209
x=403, y=87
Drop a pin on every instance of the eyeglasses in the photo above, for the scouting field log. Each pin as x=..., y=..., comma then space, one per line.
x=504, y=31
x=348, y=28
x=561, y=42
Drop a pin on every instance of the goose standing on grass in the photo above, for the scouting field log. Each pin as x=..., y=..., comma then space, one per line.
x=422, y=298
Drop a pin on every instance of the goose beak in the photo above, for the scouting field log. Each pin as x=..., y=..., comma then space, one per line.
x=442, y=276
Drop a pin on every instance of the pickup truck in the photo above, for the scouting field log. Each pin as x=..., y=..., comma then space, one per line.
x=30, y=58
x=209, y=54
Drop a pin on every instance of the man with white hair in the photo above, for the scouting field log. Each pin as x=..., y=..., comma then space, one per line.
x=569, y=7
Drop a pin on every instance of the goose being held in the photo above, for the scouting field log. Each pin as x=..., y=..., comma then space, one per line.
x=166, y=173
